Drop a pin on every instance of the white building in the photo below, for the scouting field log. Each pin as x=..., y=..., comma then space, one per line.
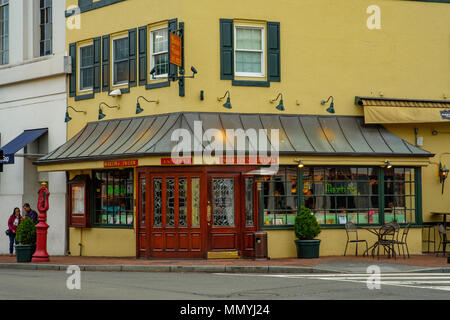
x=33, y=69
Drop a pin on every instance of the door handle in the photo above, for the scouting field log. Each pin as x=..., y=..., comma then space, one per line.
x=208, y=213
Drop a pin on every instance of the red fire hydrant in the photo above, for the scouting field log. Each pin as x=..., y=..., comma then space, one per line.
x=41, y=255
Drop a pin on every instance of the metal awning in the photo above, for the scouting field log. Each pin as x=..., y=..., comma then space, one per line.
x=20, y=142
x=388, y=110
x=298, y=135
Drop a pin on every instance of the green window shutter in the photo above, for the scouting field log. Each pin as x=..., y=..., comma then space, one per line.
x=143, y=56
x=73, y=75
x=173, y=27
x=105, y=62
x=273, y=52
x=97, y=62
x=132, y=58
x=226, y=49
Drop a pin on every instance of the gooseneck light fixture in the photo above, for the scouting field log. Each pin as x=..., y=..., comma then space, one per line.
x=175, y=78
x=101, y=115
x=68, y=118
x=331, y=107
x=300, y=164
x=228, y=103
x=443, y=174
x=138, y=105
x=280, y=106
x=388, y=164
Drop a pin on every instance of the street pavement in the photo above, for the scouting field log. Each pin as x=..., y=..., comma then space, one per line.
x=44, y=284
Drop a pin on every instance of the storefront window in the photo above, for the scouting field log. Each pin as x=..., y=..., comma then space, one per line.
x=399, y=195
x=280, y=197
x=114, y=197
x=339, y=195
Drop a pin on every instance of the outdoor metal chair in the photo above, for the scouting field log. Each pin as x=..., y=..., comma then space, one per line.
x=386, y=240
x=442, y=239
x=397, y=233
x=350, y=227
x=403, y=240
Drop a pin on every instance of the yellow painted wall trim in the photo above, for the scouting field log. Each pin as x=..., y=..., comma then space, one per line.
x=284, y=160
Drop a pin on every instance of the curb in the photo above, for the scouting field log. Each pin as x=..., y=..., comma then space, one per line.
x=170, y=268
x=196, y=268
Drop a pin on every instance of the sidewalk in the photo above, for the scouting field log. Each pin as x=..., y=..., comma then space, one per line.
x=332, y=264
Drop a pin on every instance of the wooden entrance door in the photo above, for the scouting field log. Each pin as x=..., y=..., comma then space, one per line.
x=177, y=227
x=142, y=215
x=223, y=210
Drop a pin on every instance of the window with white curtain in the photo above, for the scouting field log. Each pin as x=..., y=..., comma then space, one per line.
x=159, y=52
x=4, y=32
x=249, y=51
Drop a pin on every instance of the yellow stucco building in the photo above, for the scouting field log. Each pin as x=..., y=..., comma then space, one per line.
x=356, y=91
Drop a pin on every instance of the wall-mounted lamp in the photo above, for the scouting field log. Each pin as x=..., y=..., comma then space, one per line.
x=388, y=164
x=68, y=118
x=115, y=93
x=300, y=164
x=280, y=106
x=138, y=105
x=331, y=107
x=101, y=115
x=443, y=174
x=228, y=103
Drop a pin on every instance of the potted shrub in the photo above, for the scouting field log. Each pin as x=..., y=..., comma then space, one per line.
x=26, y=238
x=306, y=229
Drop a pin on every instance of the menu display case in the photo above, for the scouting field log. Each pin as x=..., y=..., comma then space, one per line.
x=79, y=204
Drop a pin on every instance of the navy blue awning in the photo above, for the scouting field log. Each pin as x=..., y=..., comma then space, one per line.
x=21, y=141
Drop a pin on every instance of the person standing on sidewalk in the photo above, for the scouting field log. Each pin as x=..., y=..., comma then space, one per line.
x=13, y=222
x=30, y=213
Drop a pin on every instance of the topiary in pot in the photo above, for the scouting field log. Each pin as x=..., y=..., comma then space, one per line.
x=26, y=237
x=306, y=229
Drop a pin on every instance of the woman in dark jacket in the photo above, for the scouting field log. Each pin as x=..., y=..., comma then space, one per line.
x=13, y=222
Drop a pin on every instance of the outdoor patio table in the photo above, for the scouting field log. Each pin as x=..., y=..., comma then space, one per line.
x=376, y=231
x=444, y=221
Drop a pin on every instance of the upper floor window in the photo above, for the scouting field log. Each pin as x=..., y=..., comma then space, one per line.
x=4, y=32
x=120, y=65
x=159, y=56
x=86, y=62
x=45, y=27
x=249, y=51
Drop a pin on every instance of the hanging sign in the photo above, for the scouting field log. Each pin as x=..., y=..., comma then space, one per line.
x=175, y=49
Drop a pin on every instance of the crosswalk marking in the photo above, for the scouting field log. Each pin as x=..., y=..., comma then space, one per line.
x=433, y=281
